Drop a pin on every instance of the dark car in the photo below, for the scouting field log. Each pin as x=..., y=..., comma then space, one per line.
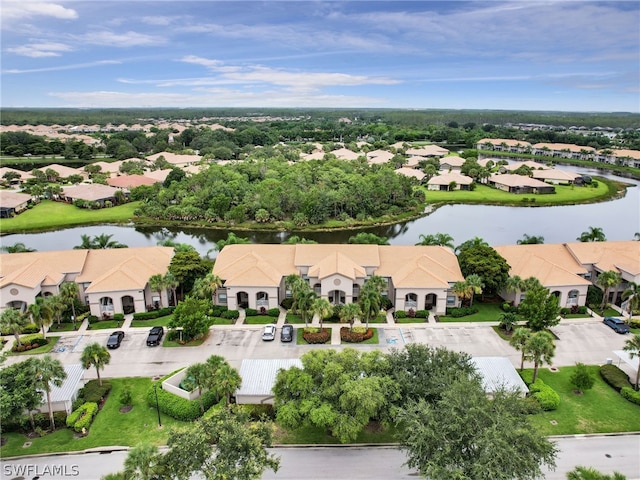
x=155, y=336
x=618, y=325
x=115, y=339
x=286, y=334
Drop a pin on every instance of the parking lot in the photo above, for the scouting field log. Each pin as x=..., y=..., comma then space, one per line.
x=588, y=342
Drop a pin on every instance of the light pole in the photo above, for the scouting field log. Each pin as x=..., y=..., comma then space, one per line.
x=155, y=389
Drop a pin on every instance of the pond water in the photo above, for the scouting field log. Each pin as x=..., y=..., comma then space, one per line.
x=619, y=219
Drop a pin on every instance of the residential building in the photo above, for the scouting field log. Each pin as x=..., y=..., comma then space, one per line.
x=12, y=203
x=519, y=184
x=451, y=163
x=109, y=280
x=93, y=192
x=418, y=277
x=447, y=180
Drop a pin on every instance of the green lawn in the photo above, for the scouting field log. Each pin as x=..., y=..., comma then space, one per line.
x=599, y=410
x=110, y=427
x=159, y=322
x=487, y=312
x=221, y=321
x=64, y=327
x=260, y=320
x=607, y=312
x=50, y=215
x=484, y=194
x=43, y=349
x=105, y=324
x=411, y=320
x=293, y=318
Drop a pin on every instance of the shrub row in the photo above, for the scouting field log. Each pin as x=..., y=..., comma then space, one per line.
x=461, y=311
x=250, y=312
x=615, y=377
x=92, y=319
x=40, y=420
x=357, y=335
x=547, y=397
x=230, y=314
x=316, y=335
x=162, y=312
x=93, y=392
x=29, y=344
x=412, y=314
x=83, y=416
x=634, y=323
x=287, y=303
x=273, y=312
x=178, y=407
x=574, y=309
x=630, y=394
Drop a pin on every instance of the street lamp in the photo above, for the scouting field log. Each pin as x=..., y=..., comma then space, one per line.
x=155, y=389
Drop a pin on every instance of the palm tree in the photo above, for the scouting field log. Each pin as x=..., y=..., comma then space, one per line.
x=103, y=241
x=530, y=239
x=462, y=290
x=632, y=346
x=594, y=234
x=198, y=375
x=231, y=239
x=86, y=243
x=205, y=287
x=322, y=308
x=607, y=280
x=442, y=239
x=69, y=294
x=57, y=306
x=541, y=349
x=518, y=341
x=16, y=248
x=475, y=283
x=632, y=293
x=636, y=236
x=474, y=242
x=48, y=371
x=349, y=312
x=95, y=355
x=514, y=285
x=508, y=320
x=41, y=313
x=588, y=473
x=157, y=284
x=226, y=380
x=142, y=462
x=11, y=320
x=170, y=281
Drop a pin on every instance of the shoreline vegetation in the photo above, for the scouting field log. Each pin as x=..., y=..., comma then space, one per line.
x=49, y=215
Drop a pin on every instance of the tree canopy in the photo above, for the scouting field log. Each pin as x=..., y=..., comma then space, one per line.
x=487, y=263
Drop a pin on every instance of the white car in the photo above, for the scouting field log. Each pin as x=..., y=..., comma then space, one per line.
x=269, y=332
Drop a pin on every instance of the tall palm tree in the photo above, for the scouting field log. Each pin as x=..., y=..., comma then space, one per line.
x=199, y=375
x=518, y=341
x=322, y=308
x=226, y=380
x=48, y=371
x=302, y=302
x=103, y=241
x=530, y=239
x=95, y=355
x=11, y=320
x=541, y=349
x=514, y=285
x=142, y=462
x=16, y=248
x=205, y=287
x=86, y=243
x=349, y=312
x=69, y=294
x=632, y=293
x=589, y=473
x=607, y=280
x=462, y=290
x=442, y=239
x=632, y=346
x=157, y=284
x=475, y=283
x=594, y=234
x=172, y=283
x=41, y=313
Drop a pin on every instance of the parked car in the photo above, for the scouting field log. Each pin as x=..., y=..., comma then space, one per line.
x=155, y=336
x=269, y=332
x=286, y=334
x=115, y=339
x=617, y=324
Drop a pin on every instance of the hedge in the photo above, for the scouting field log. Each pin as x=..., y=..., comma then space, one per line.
x=630, y=394
x=547, y=397
x=231, y=314
x=615, y=377
x=178, y=407
x=287, y=303
x=29, y=344
x=355, y=335
x=82, y=417
x=250, y=312
x=316, y=335
x=93, y=391
x=118, y=317
x=422, y=313
x=401, y=314
x=41, y=420
x=162, y=312
x=273, y=312
x=218, y=310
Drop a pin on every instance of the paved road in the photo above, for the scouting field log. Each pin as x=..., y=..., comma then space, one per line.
x=587, y=341
x=605, y=453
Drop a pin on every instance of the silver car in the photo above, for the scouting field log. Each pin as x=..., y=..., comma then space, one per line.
x=269, y=332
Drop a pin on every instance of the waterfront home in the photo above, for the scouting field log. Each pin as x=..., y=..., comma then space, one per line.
x=451, y=163
x=553, y=265
x=449, y=181
x=417, y=277
x=109, y=280
x=519, y=184
x=12, y=203
x=94, y=192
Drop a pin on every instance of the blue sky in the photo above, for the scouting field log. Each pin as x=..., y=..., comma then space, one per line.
x=519, y=55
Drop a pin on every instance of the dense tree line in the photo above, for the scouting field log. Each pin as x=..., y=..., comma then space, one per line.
x=272, y=190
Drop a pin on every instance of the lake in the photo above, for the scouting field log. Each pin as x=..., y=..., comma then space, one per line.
x=619, y=219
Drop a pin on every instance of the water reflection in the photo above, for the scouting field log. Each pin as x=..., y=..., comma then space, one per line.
x=619, y=219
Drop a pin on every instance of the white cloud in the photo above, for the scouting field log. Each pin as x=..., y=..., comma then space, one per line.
x=126, y=39
x=26, y=9
x=41, y=49
x=58, y=68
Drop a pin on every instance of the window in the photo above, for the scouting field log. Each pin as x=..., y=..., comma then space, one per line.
x=451, y=300
x=317, y=288
x=222, y=297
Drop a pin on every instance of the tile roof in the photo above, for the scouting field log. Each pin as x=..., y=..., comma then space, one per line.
x=507, y=141
x=452, y=160
x=427, y=151
x=623, y=255
x=175, y=159
x=11, y=199
x=419, y=266
x=411, y=172
x=337, y=263
x=554, y=174
x=511, y=166
x=552, y=264
x=513, y=180
x=130, y=181
x=90, y=192
x=31, y=269
x=23, y=175
x=346, y=154
x=447, y=178
x=63, y=171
